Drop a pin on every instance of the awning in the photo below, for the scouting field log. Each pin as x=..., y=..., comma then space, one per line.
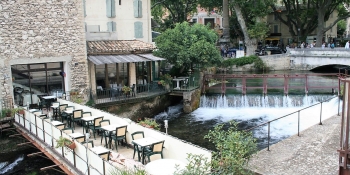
x=151, y=57
x=108, y=59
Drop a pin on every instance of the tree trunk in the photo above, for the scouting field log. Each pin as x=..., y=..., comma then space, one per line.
x=250, y=43
x=320, y=27
x=225, y=23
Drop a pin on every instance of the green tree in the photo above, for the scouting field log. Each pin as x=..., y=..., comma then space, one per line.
x=185, y=45
x=309, y=15
x=341, y=28
x=169, y=12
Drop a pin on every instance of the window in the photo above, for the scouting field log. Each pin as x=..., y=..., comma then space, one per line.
x=137, y=8
x=112, y=26
x=138, y=30
x=194, y=20
x=110, y=8
x=275, y=29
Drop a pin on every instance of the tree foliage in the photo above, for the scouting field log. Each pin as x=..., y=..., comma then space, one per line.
x=234, y=148
x=169, y=12
x=186, y=44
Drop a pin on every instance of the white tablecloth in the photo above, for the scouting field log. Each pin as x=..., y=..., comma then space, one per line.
x=164, y=167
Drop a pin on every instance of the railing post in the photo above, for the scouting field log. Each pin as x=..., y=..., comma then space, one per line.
x=298, y=122
x=268, y=136
x=321, y=115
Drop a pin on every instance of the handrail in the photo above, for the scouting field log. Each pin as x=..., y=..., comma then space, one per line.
x=268, y=123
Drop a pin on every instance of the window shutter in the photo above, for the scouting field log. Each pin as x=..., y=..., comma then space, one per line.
x=137, y=9
x=138, y=30
x=110, y=8
x=112, y=26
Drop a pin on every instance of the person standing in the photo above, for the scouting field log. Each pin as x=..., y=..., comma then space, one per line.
x=347, y=45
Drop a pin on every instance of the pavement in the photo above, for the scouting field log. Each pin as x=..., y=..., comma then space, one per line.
x=313, y=152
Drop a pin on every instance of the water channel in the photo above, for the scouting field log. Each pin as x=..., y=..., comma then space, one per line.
x=251, y=110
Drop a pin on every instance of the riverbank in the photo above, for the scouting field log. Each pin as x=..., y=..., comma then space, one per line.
x=314, y=152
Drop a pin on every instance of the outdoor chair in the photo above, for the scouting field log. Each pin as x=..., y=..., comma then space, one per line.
x=185, y=84
x=105, y=134
x=43, y=104
x=68, y=130
x=77, y=115
x=95, y=127
x=66, y=116
x=61, y=108
x=120, y=135
x=61, y=127
x=90, y=144
x=137, y=135
x=37, y=113
x=105, y=156
x=156, y=148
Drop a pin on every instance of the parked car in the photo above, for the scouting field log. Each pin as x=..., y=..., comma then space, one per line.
x=275, y=50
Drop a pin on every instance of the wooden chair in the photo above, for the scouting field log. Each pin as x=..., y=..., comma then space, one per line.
x=105, y=156
x=105, y=134
x=120, y=135
x=68, y=130
x=63, y=115
x=90, y=144
x=77, y=115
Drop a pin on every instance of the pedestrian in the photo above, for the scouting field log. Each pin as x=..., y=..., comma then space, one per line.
x=323, y=45
x=332, y=45
x=347, y=45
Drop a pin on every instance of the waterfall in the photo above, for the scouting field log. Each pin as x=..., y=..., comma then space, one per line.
x=276, y=101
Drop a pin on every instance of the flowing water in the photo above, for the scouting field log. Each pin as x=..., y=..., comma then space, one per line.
x=248, y=111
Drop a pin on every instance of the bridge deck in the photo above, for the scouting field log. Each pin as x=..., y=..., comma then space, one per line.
x=314, y=152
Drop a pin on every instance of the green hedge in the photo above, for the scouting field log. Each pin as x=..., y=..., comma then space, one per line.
x=240, y=61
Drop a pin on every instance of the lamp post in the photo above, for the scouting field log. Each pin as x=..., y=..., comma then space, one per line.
x=166, y=126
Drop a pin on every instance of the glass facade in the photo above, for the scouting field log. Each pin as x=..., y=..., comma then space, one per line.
x=36, y=79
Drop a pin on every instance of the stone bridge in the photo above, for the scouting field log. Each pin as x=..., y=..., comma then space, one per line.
x=308, y=59
x=305, y=59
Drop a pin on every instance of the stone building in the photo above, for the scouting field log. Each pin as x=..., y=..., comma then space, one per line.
x=42, y=47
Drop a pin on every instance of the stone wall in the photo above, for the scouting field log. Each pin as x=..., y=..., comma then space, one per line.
x=191, y=100
x=38, y=31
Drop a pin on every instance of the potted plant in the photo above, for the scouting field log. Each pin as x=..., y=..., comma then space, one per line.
x=150, y=123
x=62, y=141
x=165, y=81
x=126, y=89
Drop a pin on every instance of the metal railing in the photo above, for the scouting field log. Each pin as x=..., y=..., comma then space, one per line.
x=85, y=161
x=269, y=122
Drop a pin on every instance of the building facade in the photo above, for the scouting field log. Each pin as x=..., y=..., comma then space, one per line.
x=42, y=48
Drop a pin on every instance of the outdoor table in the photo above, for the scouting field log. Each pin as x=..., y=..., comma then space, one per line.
x=109, y=129
x=178, y=82
x=164, y=167
x=87, y=120
x=144, y=142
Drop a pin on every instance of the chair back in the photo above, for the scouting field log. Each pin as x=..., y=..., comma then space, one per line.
x=104, y=123
x=78, y=113
x=36, y=113
x=60, y=127
x=97, y=121
x=68, y=130
x=80, y=139
x=42, y=116
x=137, y=135
x=87, y=114
x=157, y=147
x=90, y=144
x=63, y=107
x=120, y=131
x=55, y=103
x=105, y=156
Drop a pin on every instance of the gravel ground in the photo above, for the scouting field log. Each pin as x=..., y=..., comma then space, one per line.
x=314, y=152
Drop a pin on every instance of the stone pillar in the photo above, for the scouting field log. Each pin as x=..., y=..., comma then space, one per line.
x=191, y=100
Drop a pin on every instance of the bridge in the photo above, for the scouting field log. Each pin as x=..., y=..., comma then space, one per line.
x=308, y=59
